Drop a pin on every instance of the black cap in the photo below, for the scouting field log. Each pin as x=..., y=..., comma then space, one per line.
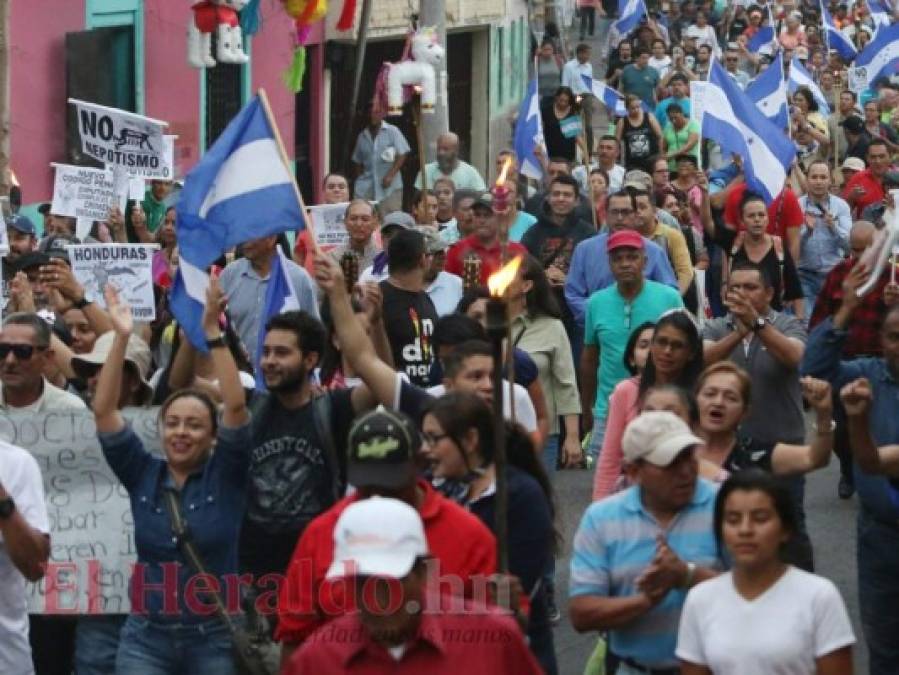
x=853, y=124
x=484, y=201
x=382, y=446
x=55, y=246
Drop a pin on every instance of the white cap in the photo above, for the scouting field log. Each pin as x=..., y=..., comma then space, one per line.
x=378, y=537
x=658, y=437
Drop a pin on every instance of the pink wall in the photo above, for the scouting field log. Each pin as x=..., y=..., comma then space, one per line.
x=38, y=89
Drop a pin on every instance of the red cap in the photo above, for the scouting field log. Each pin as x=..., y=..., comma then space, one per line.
x=624, y=238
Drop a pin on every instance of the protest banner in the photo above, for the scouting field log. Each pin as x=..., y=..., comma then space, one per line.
x=166, y=169
x=327, y=223
x=91, y=528
x=128, y=267
x=83, y=192
x=116, y=136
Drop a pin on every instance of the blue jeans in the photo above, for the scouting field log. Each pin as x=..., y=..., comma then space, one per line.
x=878, y=591
x=97, y=643
x=811, y=285
x=156, y=648
x=596, y=438
x=551, y=453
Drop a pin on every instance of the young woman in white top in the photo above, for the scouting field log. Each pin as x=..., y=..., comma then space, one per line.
x=764, y=616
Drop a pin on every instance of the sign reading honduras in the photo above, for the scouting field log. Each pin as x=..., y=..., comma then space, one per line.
x=732, y=120
x=240, y=190
x=119, y=137
x=529, y=133
x=880, y=58
x=629, y=12
x=769, y=91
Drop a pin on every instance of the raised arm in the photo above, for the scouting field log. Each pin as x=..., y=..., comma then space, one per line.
x=106, y=400
x=857, y=397
x=799, y=459
x=234, y=411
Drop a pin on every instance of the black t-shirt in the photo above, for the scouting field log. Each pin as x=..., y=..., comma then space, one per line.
x=640, y=143
x=556, y=143
x=749, y=453
x=784, y=277
x=291, y=478
x=409, y=320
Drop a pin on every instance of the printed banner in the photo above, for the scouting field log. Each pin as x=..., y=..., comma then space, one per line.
x=327, y=223
x=119, y=137
x=83, y=192
x=128, y=267
x=91, y=528
x=166, y=170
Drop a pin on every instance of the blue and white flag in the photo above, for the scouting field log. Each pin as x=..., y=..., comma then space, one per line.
x=240, y=190
x=880, y=14
x=764, y=35
x=529, y=133
x=630, y=12
x=800, y=77
x=280, y=297
x=612, y=99
x=733, y=121
x=879, y=58
x=835, y=38
x=769, y=92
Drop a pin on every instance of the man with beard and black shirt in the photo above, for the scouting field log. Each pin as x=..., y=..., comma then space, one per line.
x=408, y=311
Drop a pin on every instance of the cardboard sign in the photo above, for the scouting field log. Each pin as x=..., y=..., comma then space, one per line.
x=327, y=223
x=119, y=137
x=128, y=267
x=83, y=192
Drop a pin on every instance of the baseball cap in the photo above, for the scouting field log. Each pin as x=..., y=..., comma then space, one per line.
x=853, y=124
x=853, y=164
x=22, y=223
x=399, y=219
x=382, y=446
x=31, y=259
x=637, y=179
x=624, y=238
x=378, y=537
x=137, y=353
x=658, y=437
x=55, y=246
x=484, y=201
x=433, y=242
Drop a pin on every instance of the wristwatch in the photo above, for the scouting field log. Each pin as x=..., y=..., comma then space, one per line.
x=7, y=508
x=760, y=323
x=82, y=303
x=216, y=342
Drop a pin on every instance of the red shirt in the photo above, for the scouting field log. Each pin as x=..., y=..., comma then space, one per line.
x=873, y=191
x=469, y=639
x=491, y=257
x=462, y=544
x=779, y=219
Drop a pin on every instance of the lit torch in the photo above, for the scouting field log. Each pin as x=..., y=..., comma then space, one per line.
x=500, y=191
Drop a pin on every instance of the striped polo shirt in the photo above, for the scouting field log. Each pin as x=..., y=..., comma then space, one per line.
x=616, y=541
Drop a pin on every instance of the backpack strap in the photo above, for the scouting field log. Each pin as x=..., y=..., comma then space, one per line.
x=322, y=407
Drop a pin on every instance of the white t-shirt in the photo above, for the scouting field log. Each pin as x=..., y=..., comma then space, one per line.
x=21, y=478
x=525, y=415
x=800, y=618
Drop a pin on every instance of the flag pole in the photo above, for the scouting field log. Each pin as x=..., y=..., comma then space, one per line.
x=283, y=152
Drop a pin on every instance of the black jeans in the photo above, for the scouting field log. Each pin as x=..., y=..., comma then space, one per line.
x=588, y=16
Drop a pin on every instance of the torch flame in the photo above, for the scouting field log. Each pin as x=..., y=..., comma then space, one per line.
x=501, y=180
x=499, y=281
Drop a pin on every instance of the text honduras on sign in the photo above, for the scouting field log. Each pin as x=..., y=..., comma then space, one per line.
x=240, y=190
x=119, y=137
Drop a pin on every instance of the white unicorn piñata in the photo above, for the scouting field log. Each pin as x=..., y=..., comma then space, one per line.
x=220, y=17
x=426, y=55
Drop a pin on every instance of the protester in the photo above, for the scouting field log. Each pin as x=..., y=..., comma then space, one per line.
x=680, y=136
x=448, y=164
x=639, y=133
x=392, y=224
x=573, y=73
x=669, y=239
x=379, y=155
x=444, y=289
x=680, y=94
x=360, y=222
x=463, y=219
x=562, y=125
x=336, y=190
x=549, y=71
x=866, y=187
x=445, y=193
x=640, y=79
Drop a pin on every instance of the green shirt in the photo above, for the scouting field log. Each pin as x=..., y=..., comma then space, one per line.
x=675, y=140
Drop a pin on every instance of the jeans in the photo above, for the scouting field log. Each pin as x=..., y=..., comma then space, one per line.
x=596, y=438
x=551, y=453
x=156, y=648
x=878, y=591
x=811, y=285
x=96, y=643
x=588, y=17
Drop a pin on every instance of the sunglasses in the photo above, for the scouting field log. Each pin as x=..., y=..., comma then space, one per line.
x=21, y=352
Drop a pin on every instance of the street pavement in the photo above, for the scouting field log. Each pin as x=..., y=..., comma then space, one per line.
x=831, y=524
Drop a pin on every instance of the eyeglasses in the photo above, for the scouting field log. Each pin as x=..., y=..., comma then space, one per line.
x=21, y=352
x=432, y=439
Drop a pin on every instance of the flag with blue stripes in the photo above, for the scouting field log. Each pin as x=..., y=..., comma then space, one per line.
x=769, y=92
x=529, y=133
x=240, y=190
x=879, y=58
x=630, y=12
x=880, y=14
x=800, y=77
x=280, y=297
x=763, y=36
x=734, y=122
x=612, y=99
x=835, y=38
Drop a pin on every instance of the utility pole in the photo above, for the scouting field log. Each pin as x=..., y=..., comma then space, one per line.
x=5, y=173
x=433, y=13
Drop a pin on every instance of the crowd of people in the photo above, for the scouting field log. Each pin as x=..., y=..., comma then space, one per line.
x=693, y=348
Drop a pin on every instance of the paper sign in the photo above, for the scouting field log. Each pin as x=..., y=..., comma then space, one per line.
x=327, y=222
x=697, y=102
x=137, y=188
x=117, y=136
x=128, y=267
x=82, y=192
x=166, y=170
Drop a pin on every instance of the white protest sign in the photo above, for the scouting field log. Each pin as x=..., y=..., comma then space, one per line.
x=327, y=223
x=91, y=528
x=119, y=137
x=136, y=188
x=166, y=169
x=697, y=102
x=128, y=267
x=82, y=192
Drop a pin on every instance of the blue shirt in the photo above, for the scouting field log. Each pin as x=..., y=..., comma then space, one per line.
x=213, y=500
x=376, y=156
x=590, y=271
x=522, y=224
x=662, y=108
x=616, y=541
x=822, y=359
x=820, y=247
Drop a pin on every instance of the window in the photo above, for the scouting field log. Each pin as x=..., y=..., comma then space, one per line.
x=224, y=95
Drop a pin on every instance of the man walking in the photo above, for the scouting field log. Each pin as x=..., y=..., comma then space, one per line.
x=379, y=155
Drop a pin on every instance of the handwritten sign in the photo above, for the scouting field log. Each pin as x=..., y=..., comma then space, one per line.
x=91, y=528
x=128, y=267
x=327, y=222
x=83, y=192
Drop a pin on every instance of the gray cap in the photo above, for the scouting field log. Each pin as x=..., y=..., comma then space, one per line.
x=638, y=179
x=398, y=219
x=433, y=242
x=484, y=200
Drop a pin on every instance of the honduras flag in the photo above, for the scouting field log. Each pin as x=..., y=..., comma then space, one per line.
x=764, y=36
x=800, y=77
x=611, y=99
x=240, y=190
x=879, y=58
x=880, y=14
x=834, y=38
x=529, y=133
x=629, y=14
x=280, y=297
x=769, y=92
x=732, y=120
